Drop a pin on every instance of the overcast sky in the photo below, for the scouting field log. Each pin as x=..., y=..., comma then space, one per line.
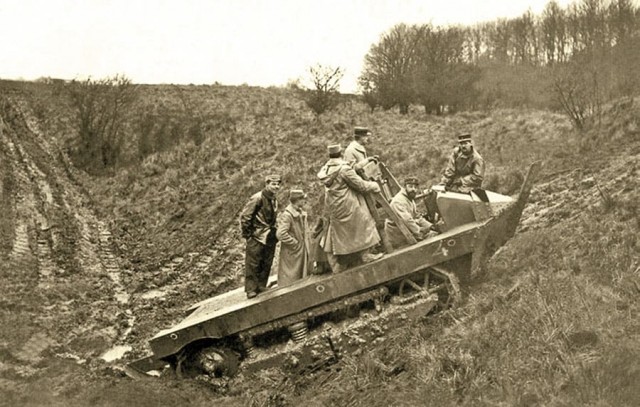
x=232, y=42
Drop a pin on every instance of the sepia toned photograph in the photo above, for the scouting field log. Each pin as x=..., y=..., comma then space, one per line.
x=349, y=203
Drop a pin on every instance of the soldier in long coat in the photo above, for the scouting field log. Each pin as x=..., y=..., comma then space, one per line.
x=465, y=168
x=404, y=205
x=352, y=229
x=293, y=234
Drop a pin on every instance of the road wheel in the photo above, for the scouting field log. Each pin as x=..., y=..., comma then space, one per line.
x=216, y=362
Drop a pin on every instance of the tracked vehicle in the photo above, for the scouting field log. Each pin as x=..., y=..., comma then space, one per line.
x=220, y=332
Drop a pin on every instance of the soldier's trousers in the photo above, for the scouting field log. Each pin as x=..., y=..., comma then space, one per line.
x=257, y=264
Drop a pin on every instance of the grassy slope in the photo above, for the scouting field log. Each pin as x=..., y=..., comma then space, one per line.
x=567, y=335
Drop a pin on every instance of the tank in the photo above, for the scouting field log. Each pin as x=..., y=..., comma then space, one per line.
x=219, y=334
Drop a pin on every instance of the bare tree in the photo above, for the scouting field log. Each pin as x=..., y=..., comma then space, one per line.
x=593, y=23
x=622, y=20
x=369, y=93
x=500, y=38
x=581, y=87
x=101, y=107
x=553, y=27
x=523, y=39
x=389, y=66
x=442, y=76
x=324, y=94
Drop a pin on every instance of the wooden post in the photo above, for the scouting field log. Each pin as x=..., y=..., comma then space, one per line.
x=378, y=172
x=379, y=222
x=395, y=218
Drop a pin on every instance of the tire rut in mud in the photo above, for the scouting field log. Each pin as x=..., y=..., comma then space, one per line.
x=66, y=294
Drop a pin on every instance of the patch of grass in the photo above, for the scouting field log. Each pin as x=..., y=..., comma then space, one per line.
x=554, y=334
x=7, y=225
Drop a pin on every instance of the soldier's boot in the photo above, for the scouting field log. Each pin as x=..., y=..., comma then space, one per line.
x=368, y=257
x=335, y=265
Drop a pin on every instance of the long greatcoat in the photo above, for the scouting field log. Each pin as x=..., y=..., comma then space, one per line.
x=293, y=234
x=355, y=154
x=351, y=226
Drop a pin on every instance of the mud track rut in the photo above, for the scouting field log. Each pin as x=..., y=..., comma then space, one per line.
x=66, y=285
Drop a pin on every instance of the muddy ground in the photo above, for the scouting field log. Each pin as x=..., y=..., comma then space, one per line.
x=69, y=310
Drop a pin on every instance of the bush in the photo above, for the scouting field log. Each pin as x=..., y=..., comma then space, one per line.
x=101, y=107
x=324, y=94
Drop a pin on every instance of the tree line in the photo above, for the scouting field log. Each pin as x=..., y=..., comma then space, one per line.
x=575, y=57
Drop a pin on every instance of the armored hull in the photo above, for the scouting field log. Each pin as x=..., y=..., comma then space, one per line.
x=474, y=228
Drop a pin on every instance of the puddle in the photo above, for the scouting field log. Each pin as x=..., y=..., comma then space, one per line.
x=115, y=353
x=153, y=294
x=121, y=295
x=122, y=298
x=46, y=190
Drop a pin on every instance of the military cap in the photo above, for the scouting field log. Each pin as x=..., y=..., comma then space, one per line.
x=334, y=149
x=464, y=137
x=411, y=181
x=296, y=194
x=361, y=131
x=273, y=178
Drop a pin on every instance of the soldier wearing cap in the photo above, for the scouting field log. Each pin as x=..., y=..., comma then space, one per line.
x=404, y=205
x=258, y=227
x=294, y=240
x=356, y=153
x=352, y=229
x=465, y=168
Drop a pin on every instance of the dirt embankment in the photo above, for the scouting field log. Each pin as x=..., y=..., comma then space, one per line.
x=66, y=307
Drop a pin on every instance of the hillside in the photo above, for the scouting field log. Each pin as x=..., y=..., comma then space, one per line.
x=91, y=262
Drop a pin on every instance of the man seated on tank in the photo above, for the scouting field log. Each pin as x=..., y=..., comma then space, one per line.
x=351, y=229
x=403, y=203
x=465, y=168
x=258, y=227
x=293, y=234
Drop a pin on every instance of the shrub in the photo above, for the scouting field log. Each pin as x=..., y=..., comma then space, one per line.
x=324, y=94
x=100, y=108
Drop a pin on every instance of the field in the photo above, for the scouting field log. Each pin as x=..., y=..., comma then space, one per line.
x=92, y=263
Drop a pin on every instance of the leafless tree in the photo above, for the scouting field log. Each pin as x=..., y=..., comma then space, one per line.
x=389, y=66
x=581, y=87
x=523, y=39
x=323, y=95
x=554, y=33
x=101, y=107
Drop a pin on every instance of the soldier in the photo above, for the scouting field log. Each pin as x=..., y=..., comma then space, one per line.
x=258, y=226
x=465, y=168
x=356, y=153
x=404, y=205
x=293, y=236
x=352, y=229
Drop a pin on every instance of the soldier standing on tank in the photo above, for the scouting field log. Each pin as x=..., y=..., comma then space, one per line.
x=352, y=230
x=356, y=152
x=465, y=168
x=404, y=205
x=293, y=234
x=258, y=227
